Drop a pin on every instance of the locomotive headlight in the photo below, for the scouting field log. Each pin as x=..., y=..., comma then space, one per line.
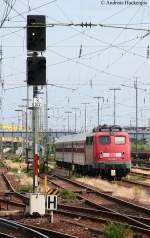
x=104, y=155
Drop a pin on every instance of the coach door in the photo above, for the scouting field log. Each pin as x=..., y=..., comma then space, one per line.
x=89, y=149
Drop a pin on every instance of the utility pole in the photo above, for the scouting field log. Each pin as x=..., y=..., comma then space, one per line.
x=46, y=137
x=85, y=104
x=23, y=106
x=75, y=118
x=136, y=124
x=1, y=84
x=68, y=112
x=98, y=108
x=36, y=76
x=35, y=135
x=136, y=112
x=115, y=89
x=20, y=110
x=1, y=99
x=46, y=115
x=27, y=106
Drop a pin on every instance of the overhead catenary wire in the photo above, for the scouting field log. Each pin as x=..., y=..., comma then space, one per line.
x=33, y=9
x=12, y=7
x=80, y=33
x=49, y=84
x=11, y=75
x=82, y=24
x=7, y=10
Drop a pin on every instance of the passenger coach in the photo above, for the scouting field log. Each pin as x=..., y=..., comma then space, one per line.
x=104, y=152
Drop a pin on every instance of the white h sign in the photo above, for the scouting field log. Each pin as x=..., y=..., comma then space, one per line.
x=51, y=202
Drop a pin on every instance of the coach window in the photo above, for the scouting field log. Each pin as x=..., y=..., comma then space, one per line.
x=104, y=140
x=89, y=140
x=120, y=140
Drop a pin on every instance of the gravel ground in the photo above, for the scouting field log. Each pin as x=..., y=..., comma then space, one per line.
x=60, y=224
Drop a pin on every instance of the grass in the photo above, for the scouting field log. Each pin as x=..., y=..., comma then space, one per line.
x=14, y=170
x=25, y=189
x=117, y=230
x=18, y=159
x=2, y=165
x=30, y=173
x=67, y=194
x=136, y=177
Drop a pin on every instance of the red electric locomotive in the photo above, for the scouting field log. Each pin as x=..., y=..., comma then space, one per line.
x=104, y=152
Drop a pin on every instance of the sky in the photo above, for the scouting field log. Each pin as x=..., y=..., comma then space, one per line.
x=82, y=63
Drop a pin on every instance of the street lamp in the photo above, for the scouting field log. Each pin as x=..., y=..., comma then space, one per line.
x=115, y=89
x=98, y=107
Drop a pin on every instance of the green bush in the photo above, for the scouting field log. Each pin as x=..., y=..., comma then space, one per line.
x=17, y=159
x=116, y=230
x=2, y=165
x=14, y=170
x=25, y=189
x=30, y=173
x=67, y=194
x=24, y=170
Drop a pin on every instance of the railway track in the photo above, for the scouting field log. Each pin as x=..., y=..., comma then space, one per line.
x=9, y=198
x=131, y=183
x=51, y=233
x=137, y=171
x=75, y=186
x=13, y=192
x=141, y=168
x=88, y=222
x=138, y=224
x=103, y=217
x=12, y=229
x=106, y=203
x=26, y=229
x=47, y=232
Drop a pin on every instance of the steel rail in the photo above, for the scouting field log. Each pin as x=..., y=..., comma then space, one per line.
x=50, y=233
x=3, y=235
x=101, y=213
x=141, y=174
x=105, y=195
x=144, y=185
x=134, y=227
x=128, y=219
x=100, y=207
x=142, y=168
x=24, y=198
x=17, y=204
x=19, y=227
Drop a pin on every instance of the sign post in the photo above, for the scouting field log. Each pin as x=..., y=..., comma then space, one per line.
x=51, y=205
x=45, y=183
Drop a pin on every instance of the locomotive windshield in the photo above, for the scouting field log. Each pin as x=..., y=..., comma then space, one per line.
x=120, y=140
x=104, y=140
